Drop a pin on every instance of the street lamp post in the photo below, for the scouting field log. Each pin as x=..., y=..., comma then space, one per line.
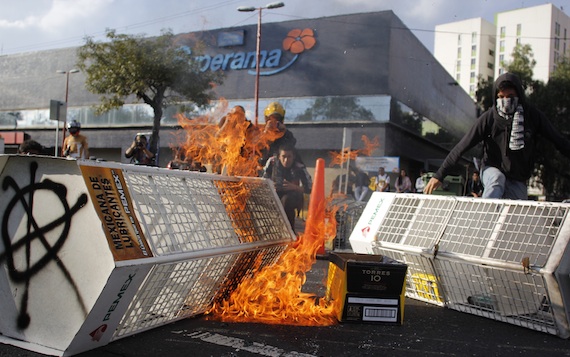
x=67, y=73
x=274, y=5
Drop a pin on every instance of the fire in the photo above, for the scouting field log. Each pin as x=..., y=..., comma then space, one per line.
x=274, y=294
x=233, y=148
x=339, y=158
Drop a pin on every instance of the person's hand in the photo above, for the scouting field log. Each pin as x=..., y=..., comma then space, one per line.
x=432, y=185
x=289, y=186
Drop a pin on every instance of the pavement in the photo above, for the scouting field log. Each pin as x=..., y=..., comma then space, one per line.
x=427, y=330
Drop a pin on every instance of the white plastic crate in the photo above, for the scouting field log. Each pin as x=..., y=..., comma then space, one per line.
x=501, y=259
x=93, y=252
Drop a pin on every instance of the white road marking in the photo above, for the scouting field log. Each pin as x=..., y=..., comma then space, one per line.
x=240, y=344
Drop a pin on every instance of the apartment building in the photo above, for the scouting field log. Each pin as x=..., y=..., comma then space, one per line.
x=475, y=47
x=545, y=28
x=466, y=49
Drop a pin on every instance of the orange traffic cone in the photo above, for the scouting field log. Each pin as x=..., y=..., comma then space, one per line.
x=314, y=227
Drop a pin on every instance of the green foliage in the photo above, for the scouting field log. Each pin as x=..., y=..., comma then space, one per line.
x=553, y=99
x=522, y=64
x=152, y=70
x=345, y=108
x=409, y=120
x=484, y=94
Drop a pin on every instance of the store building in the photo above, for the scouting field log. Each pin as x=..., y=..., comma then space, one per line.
x=363, y=72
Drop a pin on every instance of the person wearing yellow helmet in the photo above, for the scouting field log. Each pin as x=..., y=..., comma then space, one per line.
x=274, y=121
x=275, y=110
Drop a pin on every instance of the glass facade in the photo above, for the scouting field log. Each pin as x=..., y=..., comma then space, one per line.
x=307, y=109
x=382, y=109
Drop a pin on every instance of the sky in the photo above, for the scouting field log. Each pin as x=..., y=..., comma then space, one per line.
x=37, y=25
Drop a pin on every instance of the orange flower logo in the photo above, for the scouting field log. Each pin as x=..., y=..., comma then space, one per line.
x=298, y=40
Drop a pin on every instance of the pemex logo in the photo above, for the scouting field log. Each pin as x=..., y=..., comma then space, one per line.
x=296, y=42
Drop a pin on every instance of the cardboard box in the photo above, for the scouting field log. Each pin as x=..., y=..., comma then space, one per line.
x=366, y=288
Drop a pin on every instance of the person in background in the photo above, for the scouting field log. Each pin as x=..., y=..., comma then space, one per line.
x=138, y=152
x=361, y=183
x=291, y=180
x=382, y=181
x=30, y=147
x=475, y=186
x=75, y=145
x=339, y=184
x=403, y=183
x=420, y=183
x=182, y=162
x=275, y=121
x=509, y=132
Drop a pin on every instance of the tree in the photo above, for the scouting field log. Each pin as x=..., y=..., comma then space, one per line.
x=553, y=99
x=484, y=93
x=345, y=108
x=154, y=70
x=522, y=64
x=408, y=119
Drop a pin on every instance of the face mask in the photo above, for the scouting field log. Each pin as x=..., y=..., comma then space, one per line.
x=507, y=106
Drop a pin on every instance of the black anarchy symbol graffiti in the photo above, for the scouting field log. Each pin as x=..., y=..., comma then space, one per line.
x=34, y=231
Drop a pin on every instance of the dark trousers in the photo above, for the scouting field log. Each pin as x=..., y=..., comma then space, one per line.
x=291, y=200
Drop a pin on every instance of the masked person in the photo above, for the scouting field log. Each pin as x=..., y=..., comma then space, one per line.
x=509, y=132
x=75, y=145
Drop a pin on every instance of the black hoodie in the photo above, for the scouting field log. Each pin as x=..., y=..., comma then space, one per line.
x=494, y=132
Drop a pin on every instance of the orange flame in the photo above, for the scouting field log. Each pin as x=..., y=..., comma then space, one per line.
x=339, y=158
x=274, y=295
x=233, y=146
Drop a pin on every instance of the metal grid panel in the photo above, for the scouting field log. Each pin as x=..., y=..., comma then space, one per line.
x=180, y=214
x=198, y=211
x=470, y=227
x=174, y=290
x=397, y=220
x=429, y=221
x=505, y=231
x=246, y=264
x=529, y=230
x=414, y=221
x=509, y=296
x=422, y=281
x=346, y=218
x=255, y=209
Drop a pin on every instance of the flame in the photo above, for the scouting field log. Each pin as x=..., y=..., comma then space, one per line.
x=233, y=148
x=339, y=158
x=274, y=294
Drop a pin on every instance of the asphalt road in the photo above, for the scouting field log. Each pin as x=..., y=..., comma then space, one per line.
x=427, y=330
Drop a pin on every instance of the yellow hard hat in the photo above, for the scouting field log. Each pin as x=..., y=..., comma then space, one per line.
x=274, y=108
